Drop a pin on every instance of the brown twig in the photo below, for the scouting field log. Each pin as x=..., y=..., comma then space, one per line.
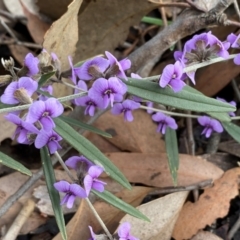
x=173, y=4
x=17, y=42
x=196, y=186
x=186, y=24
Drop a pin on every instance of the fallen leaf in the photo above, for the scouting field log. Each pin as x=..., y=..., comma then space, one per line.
x=77, y=228
x=104, y=25
x=231, y=147
x=67, y=28
x=53, y=9
x=213, y=203
x=7, y=128
x=137, y=136
x=162, y=212
x=36, y=26
x=153, y=170
x=19, y=52
x=204, y=235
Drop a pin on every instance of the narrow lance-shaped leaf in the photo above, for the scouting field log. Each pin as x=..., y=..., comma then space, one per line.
x=8, y=161
x=44, y=78
x=172, y=153
x=184, y=99
x=232, y=130
x=53, y=193
x=120, y=204
x=85, y=126
x=84, y=146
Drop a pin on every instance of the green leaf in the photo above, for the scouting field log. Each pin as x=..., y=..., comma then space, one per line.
x=232, y=130
x=84, y=146
x=120, y=204
x=53, y=193
x=154, y=21
x=184, y=99
x=8, y=161
x=172, y=153
x=85, y=126
x=3, y=105
x=44, y=78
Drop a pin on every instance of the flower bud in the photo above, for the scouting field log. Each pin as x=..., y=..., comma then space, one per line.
x=22, y=96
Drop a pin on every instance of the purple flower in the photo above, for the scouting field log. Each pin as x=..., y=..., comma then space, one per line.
x=91, y=181
x=75, y=162
x=124, y=232
x=81, y=85
x=107, y=91
x=89, y=103
x=200, y=48
x=24, y=129
x=93, y=69
x=150, y=105
x=136, y=76
x=172, y=76
x=49, y=138
x=19, y=91
x=234, y=40
x=233, y=103
x=126, y=107
x=210, y=125
x=93, y=237
x=48, y=89
x=31, y=63
x=117, y=68
x=44, y=112
x=72, y=191
x=164, y=121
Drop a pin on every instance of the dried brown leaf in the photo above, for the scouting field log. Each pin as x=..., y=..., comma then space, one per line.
x=7, y=128
x=77, y=228
x=231, y=147
x=213, y=203
x=62, y=36
x=203, y=235
x=153, y=170
x=162, y=212
x=104, y=25
x=137, y=136
x=36, y=26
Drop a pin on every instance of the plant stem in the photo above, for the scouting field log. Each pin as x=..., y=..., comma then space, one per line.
x=64, y=166
x=195, y=67
x=72, y=86
x=170, y=113
x=26, y=106
x=99, y=219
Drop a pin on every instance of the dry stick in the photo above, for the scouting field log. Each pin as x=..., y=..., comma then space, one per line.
x=25, y=44
x=234, y=229
x=21, y=218
x=167, y=190
x=35, y=177
x=189, y=22
x=163, y=15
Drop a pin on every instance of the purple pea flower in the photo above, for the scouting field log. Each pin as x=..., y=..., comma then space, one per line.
x=91, y=179
x=90, y=104
x=48, y=89
x=124, y=232
x=234, y=40
x=23, y=129
x=72, y=191
x=233, y=103
x=210, y=125
x=126, y=107
x=76, y=161
x=92, y=69
x=172, y=76
x=31, y=63
x=19, y=91
x=44, y=112
x=49, y=138
x=164, y=121
x=107, y=91
x=117, y=68
x=150, y=105
x=200, y=48
x=81, y=85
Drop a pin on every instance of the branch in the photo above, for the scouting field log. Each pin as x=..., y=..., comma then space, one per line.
x=189, y=22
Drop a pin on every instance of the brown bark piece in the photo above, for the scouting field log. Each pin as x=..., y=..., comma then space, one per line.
x=213, y=203
x=137, y=136
x=153, y=170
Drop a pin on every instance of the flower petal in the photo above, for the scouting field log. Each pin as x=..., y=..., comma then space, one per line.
x=88, y=181
x=77, y=190
x=62, y=186
x=124, y=230
x=95, y=171
x=70, y=201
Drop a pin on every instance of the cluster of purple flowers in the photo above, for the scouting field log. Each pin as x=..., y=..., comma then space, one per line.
x=123, y=232
x=36, y=126
x=87, y=174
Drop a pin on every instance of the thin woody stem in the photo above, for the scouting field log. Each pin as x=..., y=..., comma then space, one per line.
x=99, y=219
x=170, y=113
